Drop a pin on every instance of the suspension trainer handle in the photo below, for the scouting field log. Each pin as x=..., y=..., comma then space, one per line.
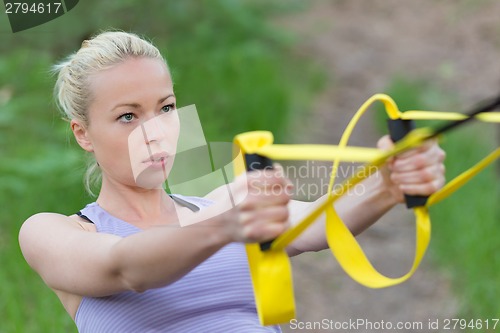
x=398, y=128
x=259, y=162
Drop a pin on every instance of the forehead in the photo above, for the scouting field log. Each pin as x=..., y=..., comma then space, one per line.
x=134, y=78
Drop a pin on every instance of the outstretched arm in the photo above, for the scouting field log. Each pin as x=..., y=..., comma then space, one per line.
x=419, y=172
x=86, y=263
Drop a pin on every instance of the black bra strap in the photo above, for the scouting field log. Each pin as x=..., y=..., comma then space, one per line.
x=185, y=203
x=84, y=217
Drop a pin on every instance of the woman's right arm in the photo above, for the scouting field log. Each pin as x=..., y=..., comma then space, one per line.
x=85, y=263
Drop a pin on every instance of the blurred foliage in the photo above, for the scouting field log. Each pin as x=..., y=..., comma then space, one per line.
x=464, y=242
x=225, y=56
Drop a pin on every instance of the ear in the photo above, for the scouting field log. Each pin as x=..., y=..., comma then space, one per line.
x=81, y=135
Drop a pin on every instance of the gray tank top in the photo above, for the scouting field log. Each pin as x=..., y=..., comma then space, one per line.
x=216, y=296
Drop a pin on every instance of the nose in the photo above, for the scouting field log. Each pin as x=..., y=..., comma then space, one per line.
x=153, y=130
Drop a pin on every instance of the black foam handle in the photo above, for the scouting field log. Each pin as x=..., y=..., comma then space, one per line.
x=258, y=162
x=398, y=128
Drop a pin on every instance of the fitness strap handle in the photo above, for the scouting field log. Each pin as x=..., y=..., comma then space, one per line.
x=398, y=129
x=259, y=162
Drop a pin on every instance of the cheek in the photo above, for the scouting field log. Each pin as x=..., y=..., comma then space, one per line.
x=111, y=149
x=104, y=142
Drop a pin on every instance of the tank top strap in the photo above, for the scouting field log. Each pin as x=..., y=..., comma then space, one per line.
x=93, y=212
x=80, y=214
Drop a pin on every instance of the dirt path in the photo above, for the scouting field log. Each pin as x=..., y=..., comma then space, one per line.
x=362, y=45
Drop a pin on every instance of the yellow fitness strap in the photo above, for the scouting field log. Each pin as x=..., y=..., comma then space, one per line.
x=271, y=270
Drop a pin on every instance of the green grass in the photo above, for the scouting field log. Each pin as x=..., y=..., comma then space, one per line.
x=225, y=58
x=465, y=226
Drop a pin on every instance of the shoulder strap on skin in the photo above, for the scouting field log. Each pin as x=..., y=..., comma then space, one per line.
x=79, y=213
x=185, y=203
x=176, y=198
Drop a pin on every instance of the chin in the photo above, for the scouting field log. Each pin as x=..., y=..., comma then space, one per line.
x=151, y=180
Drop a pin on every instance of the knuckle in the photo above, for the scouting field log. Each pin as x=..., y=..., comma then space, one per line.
x=384, y=143
x=394, y=177
x=433, y=186
x=420, y=161
x=441, y=169
x=284, y=197
x=283, y=213
x=244, y=219
x=441, y=154
x=440, y=183
x=427, y=175
x=280, y=230
x=252, y=183
x=250, y=233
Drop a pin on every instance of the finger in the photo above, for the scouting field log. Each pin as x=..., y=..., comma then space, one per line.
x=269, y=187
x=422, y=188
x=273, y=175
x=419, y=160
x=261, y=197
x=278, y=167
x=260, y=189
x=272, y=214
x=424, y=175
x=385, y=143
x=426, y=145
x=265, y=224
x=268, y=179
x=264, y=233
x=268, y=199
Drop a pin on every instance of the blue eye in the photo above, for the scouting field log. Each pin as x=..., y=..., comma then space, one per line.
x=127, y=117
x=168, y=108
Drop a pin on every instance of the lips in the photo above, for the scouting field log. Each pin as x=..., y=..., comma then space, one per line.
x=156, y=158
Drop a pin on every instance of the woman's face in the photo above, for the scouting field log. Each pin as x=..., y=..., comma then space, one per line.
x=133, y=123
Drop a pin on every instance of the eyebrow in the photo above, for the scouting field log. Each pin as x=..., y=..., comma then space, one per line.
x=136, y=105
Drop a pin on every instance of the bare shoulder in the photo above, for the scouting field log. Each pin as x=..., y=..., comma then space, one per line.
x=47, y=221
x=43, y=229
x=67, y=254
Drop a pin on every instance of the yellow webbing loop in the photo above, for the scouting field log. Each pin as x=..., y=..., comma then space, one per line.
x=342, y=242
x=271, y=271
x=463, y=178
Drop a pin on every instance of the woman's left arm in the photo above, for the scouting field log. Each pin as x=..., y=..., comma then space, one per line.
x=419, y=171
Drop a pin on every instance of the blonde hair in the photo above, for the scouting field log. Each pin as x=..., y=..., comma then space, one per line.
x=72, y=89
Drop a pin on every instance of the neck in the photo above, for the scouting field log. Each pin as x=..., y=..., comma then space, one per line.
x=137, y=206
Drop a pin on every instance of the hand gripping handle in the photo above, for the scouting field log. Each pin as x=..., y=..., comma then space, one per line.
x=398, y=128
x=258, y=162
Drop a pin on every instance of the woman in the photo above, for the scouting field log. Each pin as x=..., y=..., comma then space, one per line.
x=124, y=264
